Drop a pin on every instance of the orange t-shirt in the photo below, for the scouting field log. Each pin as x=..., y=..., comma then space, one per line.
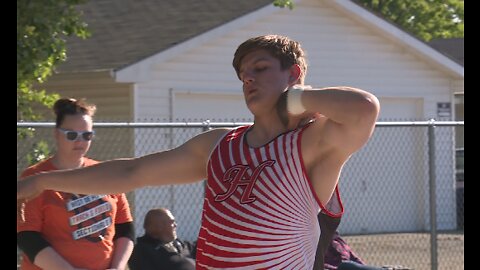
x=79, y=227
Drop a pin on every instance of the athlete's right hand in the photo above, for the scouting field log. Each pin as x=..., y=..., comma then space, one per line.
x=26, y=189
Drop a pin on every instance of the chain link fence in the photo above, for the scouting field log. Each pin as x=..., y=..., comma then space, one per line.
x=403, y=203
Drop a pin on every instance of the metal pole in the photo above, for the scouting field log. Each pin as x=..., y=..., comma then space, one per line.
x=171, y=189
x=433, y=197
x=207, y=126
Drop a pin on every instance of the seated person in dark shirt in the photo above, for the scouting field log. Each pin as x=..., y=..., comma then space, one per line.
x=160, y=248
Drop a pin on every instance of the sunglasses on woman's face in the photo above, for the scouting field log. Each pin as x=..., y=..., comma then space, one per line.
x=72, y=135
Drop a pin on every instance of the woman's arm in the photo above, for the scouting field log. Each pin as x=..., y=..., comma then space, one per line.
x=123, y=247
x=48, y=258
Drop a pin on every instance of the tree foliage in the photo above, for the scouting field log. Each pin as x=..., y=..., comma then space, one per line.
x=42, y=26
x=426, y=19
x=283, y=3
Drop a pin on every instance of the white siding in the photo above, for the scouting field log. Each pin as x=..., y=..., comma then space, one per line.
x=341, y=51
x=216, y=107
x=458, y=86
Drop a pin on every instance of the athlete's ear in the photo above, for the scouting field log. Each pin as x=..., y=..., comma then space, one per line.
x=294, y=74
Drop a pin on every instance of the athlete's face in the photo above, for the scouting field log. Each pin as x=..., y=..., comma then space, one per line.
x=78, y=147
x=263, y=80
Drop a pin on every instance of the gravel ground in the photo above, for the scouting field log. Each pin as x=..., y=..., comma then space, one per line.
x=411, y=250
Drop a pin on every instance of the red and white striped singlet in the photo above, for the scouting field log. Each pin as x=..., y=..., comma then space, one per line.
x=260, y=211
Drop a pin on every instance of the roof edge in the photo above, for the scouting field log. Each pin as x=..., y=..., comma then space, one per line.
x=140, y=71
x=397, y=34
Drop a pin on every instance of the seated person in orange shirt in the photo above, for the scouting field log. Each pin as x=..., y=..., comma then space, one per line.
x=72, y=231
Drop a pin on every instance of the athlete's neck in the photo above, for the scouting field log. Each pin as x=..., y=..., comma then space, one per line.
x=258, y=135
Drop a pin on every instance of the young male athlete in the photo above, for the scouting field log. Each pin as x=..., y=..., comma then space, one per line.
x=266, y=183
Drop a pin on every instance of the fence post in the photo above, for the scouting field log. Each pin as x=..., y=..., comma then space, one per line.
x=206, y=126
x=432, y=197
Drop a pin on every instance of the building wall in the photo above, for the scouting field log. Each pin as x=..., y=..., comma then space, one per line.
x=113, y=100
x=341, y=51
x=459, y=107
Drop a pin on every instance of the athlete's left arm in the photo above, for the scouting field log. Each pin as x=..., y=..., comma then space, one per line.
x=350, y=115
x=346, y=119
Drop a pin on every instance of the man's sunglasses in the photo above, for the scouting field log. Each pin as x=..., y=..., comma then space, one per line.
x=73, y=135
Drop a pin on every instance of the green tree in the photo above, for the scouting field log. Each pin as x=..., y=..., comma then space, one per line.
x=283, y=3
x=42, y=26
x=426, y=19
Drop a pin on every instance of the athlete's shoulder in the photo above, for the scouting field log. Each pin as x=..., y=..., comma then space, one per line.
x=88, y=161
x=215, y=134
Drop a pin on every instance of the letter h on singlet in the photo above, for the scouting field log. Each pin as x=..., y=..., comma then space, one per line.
x=237, y=176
